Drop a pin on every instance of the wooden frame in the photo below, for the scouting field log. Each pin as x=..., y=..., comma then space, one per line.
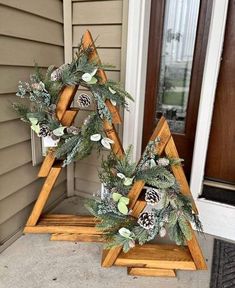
x=184, y=141
x=147, y=260
x=153, y=256
x=69, y=227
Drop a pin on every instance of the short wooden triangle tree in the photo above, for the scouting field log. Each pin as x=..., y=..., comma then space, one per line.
x=156, y=259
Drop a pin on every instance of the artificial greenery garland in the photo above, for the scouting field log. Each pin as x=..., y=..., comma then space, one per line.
x=166, y=208
x=72, y=142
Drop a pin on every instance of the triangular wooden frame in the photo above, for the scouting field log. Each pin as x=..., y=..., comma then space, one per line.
x=70, y=227
x=146, y=260
x=155, y=259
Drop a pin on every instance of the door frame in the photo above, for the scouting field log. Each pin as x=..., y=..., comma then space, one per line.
x=217, y=218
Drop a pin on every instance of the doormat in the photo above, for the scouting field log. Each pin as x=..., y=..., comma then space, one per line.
x=223, y=266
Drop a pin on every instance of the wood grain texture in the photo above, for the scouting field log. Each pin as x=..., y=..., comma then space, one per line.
x=152, y=272
x=157, y=256
x=162, y=131
x=43, y=196
x=166, y=146
x=178, y=172
x=76, y=237
x=88, y=42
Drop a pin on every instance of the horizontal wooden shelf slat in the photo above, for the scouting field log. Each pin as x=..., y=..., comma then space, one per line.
x=152, y=272
x=157, y=256
x=76, y=237
x=62, y=229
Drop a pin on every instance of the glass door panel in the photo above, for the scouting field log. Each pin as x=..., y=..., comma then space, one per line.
x=179, y=35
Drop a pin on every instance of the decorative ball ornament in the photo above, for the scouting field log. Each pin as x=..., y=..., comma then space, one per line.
x=84, y=100
x=44, y=131
x=152, y=196
x=146, y=220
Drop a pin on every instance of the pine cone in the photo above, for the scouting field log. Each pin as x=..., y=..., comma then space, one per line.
x=146, y=220
x=44, y=131
x=152, y=196
x=84, y=100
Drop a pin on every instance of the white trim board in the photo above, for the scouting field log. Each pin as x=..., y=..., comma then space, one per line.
x=136, y=65
x=217, y=219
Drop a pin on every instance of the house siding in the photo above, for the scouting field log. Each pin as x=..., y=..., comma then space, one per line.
x=106, y=20
x=30, y=31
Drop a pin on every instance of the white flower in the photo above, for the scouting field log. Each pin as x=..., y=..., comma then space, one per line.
x=124, y=232
x=106, y=142
x=113, y=102
x=86, y=77
x=95, y=137
x=163, y=162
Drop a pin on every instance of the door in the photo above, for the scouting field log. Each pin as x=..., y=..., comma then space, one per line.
x=220, y=163
x=177, y=46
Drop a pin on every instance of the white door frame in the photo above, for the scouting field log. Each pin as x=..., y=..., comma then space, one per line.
x=218, y=219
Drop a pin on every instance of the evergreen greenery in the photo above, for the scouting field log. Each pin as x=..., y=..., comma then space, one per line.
x=172, y=213
x=43, y=92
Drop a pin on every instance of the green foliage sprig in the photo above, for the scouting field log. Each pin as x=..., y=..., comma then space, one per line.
x=171, y=212
x=42, y=93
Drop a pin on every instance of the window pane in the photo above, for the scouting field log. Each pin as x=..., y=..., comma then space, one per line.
x=179, y=34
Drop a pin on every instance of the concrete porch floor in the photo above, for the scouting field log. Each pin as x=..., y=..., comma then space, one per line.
x=35, y=262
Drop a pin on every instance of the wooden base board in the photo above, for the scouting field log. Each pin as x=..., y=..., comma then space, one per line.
x=68, y=224
x=152, y=272
x=76, y=237
x=157, y=256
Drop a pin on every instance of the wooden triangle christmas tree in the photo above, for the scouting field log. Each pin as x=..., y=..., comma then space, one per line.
x=147, y=260
x=158, y=259
x=69, y=227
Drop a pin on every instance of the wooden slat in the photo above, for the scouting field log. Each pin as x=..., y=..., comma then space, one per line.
x=178, y=172
x=112, y=134
x=157, y=256
x=61, y=229
x=76, y=237
x=116, y=118
x=43, y=196
x=152, y=272
x=67, y=219
x=196, y=252
x=65, y=100
x=47, y=163
x=139, y=207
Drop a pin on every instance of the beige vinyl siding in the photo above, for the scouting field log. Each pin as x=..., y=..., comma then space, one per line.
x=30, y=31
x=106, y=20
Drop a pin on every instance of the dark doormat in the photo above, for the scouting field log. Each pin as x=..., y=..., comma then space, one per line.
x=223, y=266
